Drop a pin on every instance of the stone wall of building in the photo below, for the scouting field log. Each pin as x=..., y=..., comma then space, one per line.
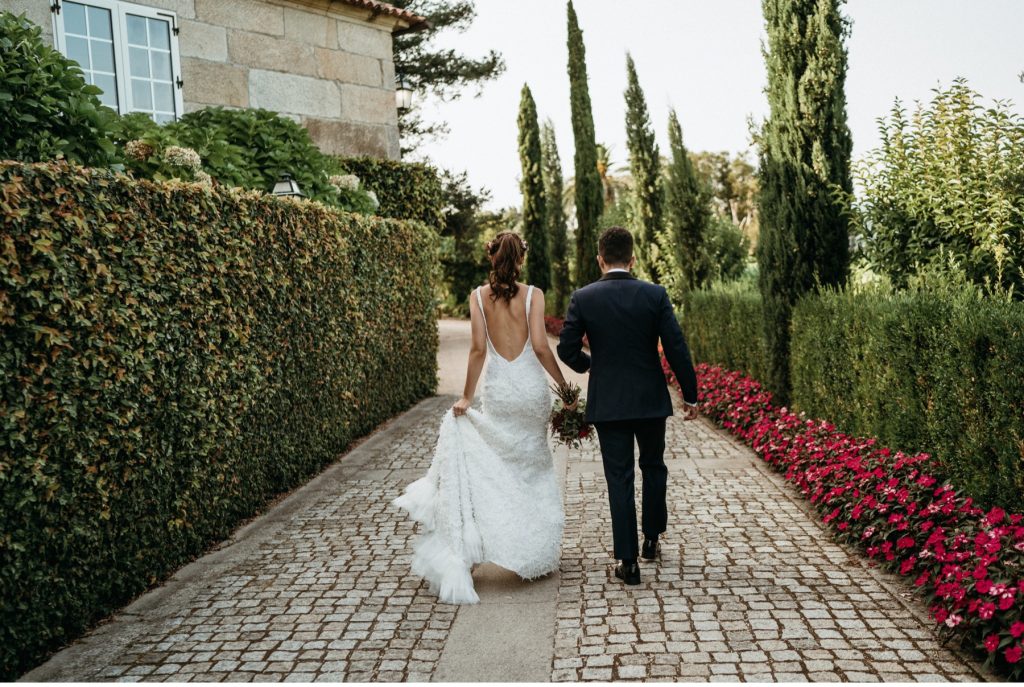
x=321, y=62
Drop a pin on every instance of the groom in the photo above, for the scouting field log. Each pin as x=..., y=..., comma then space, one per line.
x=627, y=396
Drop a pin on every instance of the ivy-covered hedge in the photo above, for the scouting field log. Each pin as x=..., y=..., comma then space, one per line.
x=724, y=325
x=939, y=371
x=173, y=356
x=406, y=190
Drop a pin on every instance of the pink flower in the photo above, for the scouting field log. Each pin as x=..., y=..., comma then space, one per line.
x=991, y=643
x=905, y=542
x=953, y=620
x=986, y=611
x=983, y=586
x=995, y=516
x=1017, y=629
x=1012, y=654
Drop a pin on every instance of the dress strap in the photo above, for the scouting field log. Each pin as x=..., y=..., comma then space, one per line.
x=529, y=299
x=480, y=302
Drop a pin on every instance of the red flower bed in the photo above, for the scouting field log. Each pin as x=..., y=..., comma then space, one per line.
x=968, y=563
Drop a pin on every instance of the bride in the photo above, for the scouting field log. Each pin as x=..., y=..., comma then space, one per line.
x=491, y=493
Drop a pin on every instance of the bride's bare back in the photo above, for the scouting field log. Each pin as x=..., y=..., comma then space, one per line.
x=506, y=322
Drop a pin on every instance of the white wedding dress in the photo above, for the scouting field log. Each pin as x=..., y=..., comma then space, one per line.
x=490, y=493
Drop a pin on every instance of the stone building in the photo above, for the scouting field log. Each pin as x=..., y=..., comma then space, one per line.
x=325, y=63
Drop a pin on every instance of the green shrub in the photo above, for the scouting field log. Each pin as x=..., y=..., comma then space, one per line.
x=244, y=148
x=174, y=355
x=946, y=188
x=939, y=370
x=724, y=326
x=47, y=110
x=405, y=190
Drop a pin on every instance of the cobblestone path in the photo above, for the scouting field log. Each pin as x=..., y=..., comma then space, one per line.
x=750, y=587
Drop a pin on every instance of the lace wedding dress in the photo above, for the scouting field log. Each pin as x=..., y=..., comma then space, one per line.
x=490, y=493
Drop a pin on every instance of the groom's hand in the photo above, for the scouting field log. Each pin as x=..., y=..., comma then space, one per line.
x=690, y=412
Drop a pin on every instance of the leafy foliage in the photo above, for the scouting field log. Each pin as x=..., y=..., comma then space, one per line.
x=463, y=258
x=645, y=168
x=687, y=214
x=175, y=356
x=589, y=199
x=405, y=190
x=805, y=156
x=932, y=368
x=558, y=238
x=443, y=73
x=240, y=148
x=723, y=325
x=726, y=250
x=946, y=188
x=732, y=182
x=47, y=110
x=538, y=266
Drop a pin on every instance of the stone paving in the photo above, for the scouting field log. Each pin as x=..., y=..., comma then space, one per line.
x=749, y=587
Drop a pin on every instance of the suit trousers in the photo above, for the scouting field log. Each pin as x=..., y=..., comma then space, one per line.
x=616, y=439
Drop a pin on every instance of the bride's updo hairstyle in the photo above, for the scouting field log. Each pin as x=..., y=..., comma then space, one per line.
x=507, y=252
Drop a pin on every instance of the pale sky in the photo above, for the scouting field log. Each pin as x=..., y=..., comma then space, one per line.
x=703, y=57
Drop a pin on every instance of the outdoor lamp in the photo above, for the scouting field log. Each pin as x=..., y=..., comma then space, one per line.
x=286, y=186
x=403, y=93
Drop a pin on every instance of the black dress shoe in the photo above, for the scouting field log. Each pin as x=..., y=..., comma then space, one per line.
x=650, y=550
x=628, y=572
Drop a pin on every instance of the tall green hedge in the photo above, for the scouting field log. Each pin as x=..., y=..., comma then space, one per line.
x=724, y=326
x=406, y=190
x=936, y=371
x=173, y=356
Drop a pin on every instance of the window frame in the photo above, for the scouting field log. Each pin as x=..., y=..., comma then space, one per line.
x=119, y=11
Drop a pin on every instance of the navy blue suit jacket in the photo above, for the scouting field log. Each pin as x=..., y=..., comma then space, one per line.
x=623, y=318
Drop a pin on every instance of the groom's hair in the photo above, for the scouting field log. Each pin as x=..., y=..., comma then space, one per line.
x=615, y=246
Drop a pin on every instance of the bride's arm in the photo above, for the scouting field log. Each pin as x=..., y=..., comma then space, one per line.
x=539, y=338
x=477, y=355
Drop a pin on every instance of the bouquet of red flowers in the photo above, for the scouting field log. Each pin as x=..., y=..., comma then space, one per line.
x=568, y=413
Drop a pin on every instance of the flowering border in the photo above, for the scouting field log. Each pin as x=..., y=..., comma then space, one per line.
x=967, y=562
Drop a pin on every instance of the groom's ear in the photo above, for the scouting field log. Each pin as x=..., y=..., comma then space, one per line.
x=632, y=262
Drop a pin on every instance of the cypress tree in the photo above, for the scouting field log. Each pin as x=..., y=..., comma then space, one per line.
x=804, y=159
x=688, y=213
x=538, y=268
x=589, y=199
x=557, y=237
x=644, y=165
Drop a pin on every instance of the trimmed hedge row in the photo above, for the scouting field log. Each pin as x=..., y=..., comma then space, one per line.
x=173, y=356
x=724, y=325
x=406, y=190
x=941, y=372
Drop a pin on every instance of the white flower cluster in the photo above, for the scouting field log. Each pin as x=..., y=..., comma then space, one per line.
x=344, y=182
x=182, y=157
x=138, y=150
